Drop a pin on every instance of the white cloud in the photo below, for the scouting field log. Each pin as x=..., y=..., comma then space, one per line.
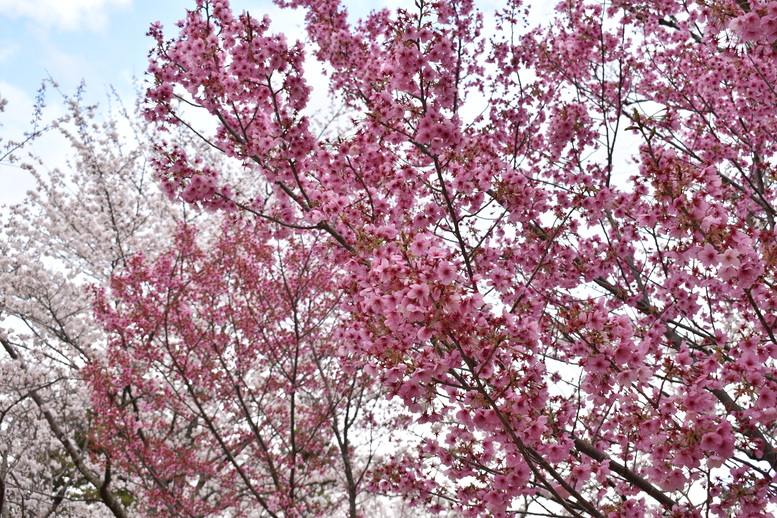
x=64, y=14
x=7, y=51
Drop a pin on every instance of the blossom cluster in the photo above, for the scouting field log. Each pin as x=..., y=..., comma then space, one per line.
x=757, y=25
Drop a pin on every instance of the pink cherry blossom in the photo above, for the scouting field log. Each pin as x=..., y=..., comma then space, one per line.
x=555, y=240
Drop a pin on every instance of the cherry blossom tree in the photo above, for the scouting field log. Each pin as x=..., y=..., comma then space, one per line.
x=76, y=228
x=555, y=241
x=223, y=390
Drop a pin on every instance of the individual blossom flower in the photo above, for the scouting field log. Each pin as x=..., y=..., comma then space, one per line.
x=711, y=441
x=419, y=246
x=708, y=256
x=623, y=353
x=424, y=334
x=729, y=264
x=418, y=292
x=748, y=273
x=598, y=364
x=557, y=453
x=719, y=442
x=445, y=272
x=767, y=399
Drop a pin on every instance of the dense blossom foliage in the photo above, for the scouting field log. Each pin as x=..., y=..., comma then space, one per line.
x=74, y=388
x=556, y=243
x=223, y=391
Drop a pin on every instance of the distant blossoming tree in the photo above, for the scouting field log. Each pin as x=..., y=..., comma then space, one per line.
x=77, y=227
x=223, y=391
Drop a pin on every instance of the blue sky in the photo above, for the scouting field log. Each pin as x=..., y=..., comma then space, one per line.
x=100, y=41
